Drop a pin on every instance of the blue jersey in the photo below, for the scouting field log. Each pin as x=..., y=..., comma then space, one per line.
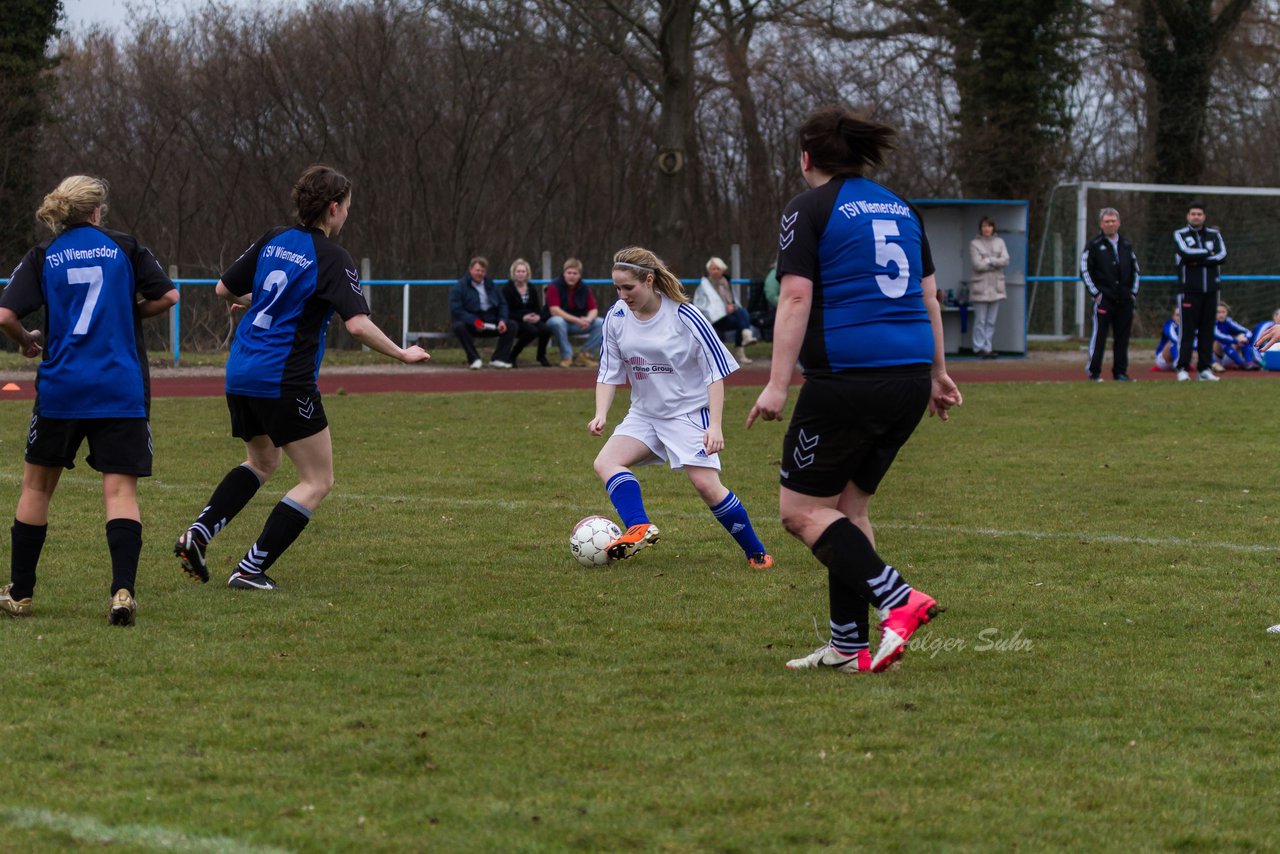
x=298, y=278
x=866, y=252
x=1226, y=331
x=89, y=280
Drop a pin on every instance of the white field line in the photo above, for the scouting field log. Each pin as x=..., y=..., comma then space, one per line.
x=522, y=504
x=90, y=830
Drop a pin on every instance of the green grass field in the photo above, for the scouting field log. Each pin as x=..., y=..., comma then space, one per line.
x=436, y=674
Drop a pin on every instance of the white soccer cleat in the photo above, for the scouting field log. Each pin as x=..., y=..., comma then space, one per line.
x=1209, y=376
x=1183, y=376
x=827, y=657
x=477, y=364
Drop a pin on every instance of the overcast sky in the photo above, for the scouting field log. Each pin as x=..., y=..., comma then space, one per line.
x=79, y=15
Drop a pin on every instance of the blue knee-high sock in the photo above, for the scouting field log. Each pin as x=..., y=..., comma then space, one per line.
x=733, y=516
x=624, y=492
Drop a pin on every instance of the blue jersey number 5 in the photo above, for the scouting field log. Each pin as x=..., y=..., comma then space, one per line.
x=890, y=253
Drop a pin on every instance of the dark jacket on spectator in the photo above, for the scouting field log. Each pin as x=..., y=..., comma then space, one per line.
x=516, y=308
x=582, y=300
x=464, y=302
x=1200, y=252
x=1110, y=272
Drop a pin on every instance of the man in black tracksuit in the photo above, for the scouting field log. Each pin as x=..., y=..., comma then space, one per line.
x=1200, y=252
x=1109, y=267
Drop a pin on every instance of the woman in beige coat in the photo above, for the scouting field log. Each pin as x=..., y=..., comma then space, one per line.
x=986, y=288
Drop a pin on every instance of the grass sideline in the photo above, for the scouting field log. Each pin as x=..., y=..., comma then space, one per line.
x=437, y=674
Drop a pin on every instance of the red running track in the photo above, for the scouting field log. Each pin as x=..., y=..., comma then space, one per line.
x=171, y=383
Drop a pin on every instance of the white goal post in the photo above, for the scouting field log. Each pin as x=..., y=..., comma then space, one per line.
x=1066, y=264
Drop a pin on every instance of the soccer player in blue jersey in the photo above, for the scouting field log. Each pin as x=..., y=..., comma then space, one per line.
x=859, y=309
x=1167, y=349
x=1233, y=341
x=674, y=361
x=97, y=286
x=290, y=282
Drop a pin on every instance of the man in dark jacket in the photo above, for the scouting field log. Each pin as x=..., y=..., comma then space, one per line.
x=1109, y=267
x=1200, y=253
x=478, y=308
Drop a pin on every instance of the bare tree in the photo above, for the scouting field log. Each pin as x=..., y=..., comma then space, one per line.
x=1181, y=43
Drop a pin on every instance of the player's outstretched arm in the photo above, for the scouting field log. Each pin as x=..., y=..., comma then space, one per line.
x=713, y=438
x=367, y=333
x=1267, y=337
x=27, y=340
x=152, y=307
x=794, y=301
x=224, y=293
x=944, y=393
x=604, y=399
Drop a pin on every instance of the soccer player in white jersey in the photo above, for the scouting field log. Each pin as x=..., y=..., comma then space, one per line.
x=674, y=361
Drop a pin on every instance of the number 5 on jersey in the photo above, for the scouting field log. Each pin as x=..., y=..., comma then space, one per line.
x=890, y=253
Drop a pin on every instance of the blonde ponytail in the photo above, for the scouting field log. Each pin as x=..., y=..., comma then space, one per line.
x=73, y=201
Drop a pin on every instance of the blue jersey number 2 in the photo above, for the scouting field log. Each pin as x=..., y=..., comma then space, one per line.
x=275, y=281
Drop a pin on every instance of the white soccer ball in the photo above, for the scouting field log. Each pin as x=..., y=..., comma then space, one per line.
x=590, y=538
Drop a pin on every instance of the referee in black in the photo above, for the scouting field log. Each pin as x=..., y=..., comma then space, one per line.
x=1200, y=253
x=1109, y=268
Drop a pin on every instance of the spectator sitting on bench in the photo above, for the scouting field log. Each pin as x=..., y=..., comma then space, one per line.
x=478, y=308
x=525, y=310
x=714, y=299
x=572, y=309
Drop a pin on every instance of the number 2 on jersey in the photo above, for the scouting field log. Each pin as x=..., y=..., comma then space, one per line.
x=91, y=276
x=890, y=253
x=275, y=281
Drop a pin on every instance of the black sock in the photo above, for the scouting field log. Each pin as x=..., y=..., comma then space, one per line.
x=124, y=541
x=24, y=553
x=847, y=552
x=850, y=623
x=236, y=490
x=285, y=523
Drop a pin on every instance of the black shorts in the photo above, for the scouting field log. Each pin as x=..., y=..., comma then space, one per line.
x=116, y=445
x=848, y=427
x=281, y=419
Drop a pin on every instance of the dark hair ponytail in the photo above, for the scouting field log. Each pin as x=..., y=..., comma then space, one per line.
x=840, y=142
x=319, y=186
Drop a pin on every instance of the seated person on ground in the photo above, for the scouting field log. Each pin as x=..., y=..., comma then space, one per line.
x=1232, y=341
x=1167, y=349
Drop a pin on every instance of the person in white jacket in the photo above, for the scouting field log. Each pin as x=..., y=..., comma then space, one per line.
x=714, y=298
x=989, y=257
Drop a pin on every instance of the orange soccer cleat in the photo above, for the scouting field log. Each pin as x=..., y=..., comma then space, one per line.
x=635, y=538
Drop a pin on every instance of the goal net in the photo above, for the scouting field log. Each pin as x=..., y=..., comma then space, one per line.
x=1248, y=217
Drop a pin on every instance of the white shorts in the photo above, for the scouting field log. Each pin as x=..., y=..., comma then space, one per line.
x=677, y=441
